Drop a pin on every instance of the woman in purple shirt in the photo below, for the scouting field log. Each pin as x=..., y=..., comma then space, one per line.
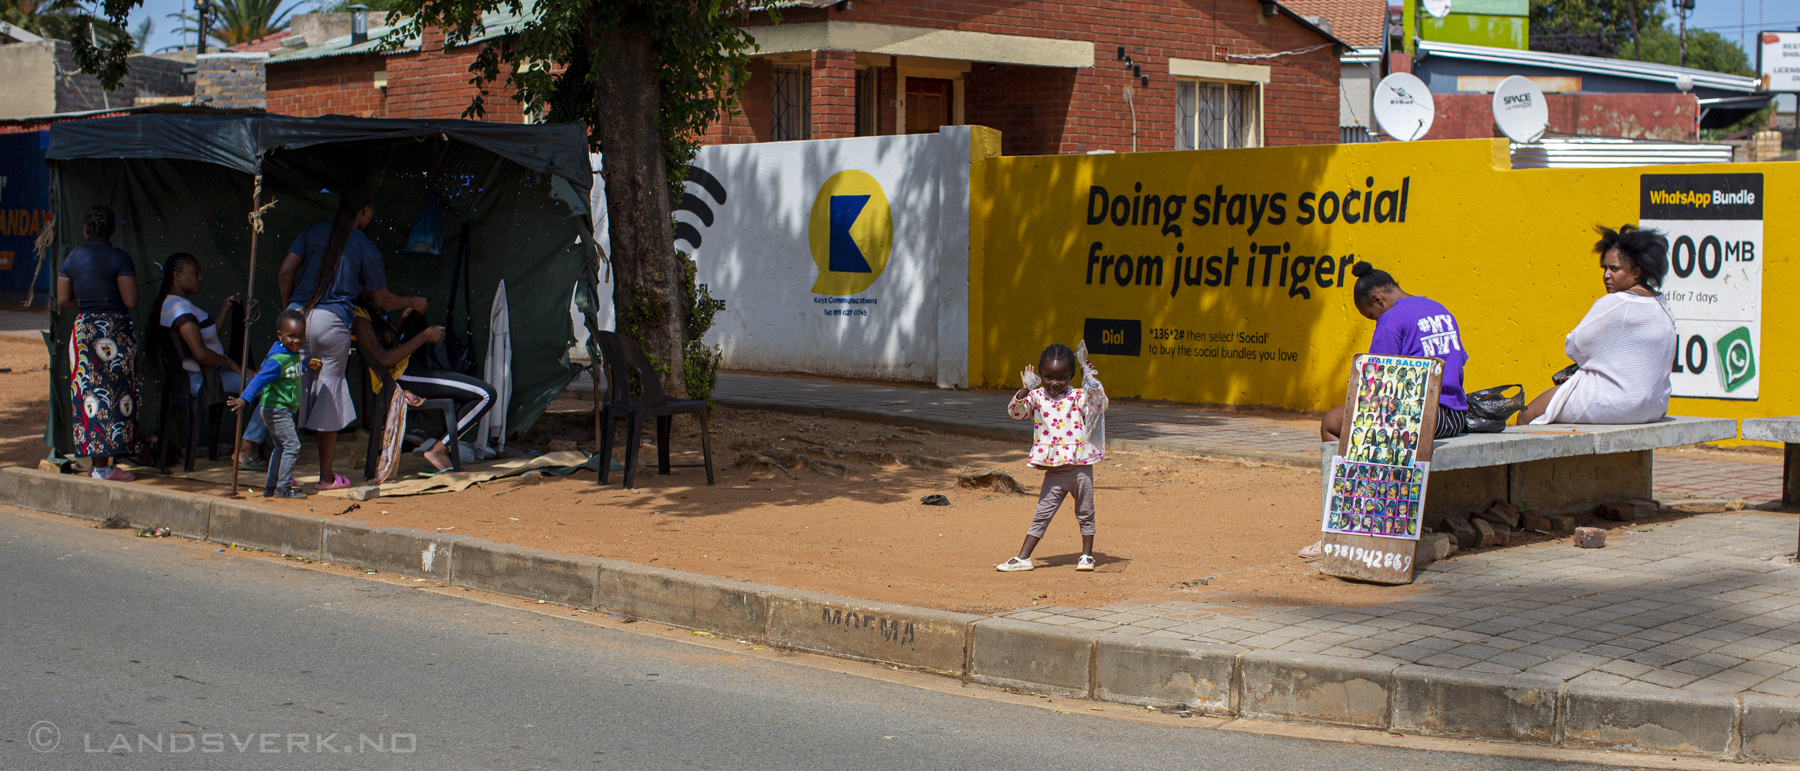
x=1408, y=325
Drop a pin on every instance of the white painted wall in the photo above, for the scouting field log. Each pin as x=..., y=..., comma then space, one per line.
x=756, y=257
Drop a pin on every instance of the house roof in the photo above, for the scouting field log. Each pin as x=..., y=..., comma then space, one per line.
x=493, y=25
x=262, y=44
x=1619, y=68
x=1361, y=23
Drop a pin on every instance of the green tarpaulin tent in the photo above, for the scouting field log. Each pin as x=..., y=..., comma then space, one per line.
x=183, y=183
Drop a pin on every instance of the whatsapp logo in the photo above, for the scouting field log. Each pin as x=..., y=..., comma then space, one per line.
x=1737, y=359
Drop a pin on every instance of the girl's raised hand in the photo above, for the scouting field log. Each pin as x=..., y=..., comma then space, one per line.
x=1030, y=377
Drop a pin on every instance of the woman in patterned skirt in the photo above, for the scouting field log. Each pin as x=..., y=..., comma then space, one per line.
x=101, y=282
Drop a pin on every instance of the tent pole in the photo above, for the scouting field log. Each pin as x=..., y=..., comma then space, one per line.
x=256, y=226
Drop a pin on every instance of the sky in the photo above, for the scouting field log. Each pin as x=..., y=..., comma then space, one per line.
x=1721, y=16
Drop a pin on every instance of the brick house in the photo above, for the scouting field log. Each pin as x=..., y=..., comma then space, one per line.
x=1047, y=74
x=332, y=71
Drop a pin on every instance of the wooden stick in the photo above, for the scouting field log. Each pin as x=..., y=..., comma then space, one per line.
x=237, y=436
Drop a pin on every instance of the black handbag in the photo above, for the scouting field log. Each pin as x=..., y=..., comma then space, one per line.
x=1562, y=375
x=1489, y=408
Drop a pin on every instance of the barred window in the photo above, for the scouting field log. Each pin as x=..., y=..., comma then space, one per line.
x=1213, y=115
x=791, y=104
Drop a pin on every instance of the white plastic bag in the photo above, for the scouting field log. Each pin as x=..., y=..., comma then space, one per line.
x=1094, y=411
x=1030, y=377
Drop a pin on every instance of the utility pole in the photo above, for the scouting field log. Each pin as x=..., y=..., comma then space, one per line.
x=204, y=7
x=1637, y=48
x=1682, y=7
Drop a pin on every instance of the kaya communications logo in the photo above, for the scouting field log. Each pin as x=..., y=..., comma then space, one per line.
x=851, y=233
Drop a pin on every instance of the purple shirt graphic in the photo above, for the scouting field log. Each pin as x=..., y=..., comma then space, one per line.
x=1417, y=326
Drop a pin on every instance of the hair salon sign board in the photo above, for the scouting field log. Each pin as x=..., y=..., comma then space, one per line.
x=1714, y=223
x=1374, y=502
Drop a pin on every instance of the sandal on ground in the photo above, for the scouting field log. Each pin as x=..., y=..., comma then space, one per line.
x=338, y=482
x=1013, y=565
x=252, y=464
x=1314, y=551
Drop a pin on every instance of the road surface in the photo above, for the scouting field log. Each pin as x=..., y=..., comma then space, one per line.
x=120, y=652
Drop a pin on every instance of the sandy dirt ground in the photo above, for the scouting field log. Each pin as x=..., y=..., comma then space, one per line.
x=834, y=506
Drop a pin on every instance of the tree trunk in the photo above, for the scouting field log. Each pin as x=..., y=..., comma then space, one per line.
x=647, y=275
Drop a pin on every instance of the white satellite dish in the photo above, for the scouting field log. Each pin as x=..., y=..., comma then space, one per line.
x=1520, y=110
x=1403, y=107
x=1437, y=8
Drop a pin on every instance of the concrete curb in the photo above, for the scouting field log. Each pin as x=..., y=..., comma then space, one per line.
x=1220, y=680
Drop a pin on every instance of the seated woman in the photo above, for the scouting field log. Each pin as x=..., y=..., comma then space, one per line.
x=1624, y=344
x=394, y=349
x=199, y=333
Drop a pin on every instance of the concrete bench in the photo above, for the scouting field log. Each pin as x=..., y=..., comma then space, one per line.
x=1556, y=469
x=1786, y=431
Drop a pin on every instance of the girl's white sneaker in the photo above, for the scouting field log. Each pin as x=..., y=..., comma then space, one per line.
x=1085, y=563
x=1013, y=564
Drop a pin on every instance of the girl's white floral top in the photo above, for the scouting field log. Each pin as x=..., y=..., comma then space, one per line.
x=1065, y=428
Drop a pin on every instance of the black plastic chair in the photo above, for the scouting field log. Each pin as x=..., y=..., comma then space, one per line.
x=202, y=410
x=375, y=416
x=622, y=358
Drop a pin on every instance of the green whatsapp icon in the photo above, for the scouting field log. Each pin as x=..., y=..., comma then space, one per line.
x=1737, y=359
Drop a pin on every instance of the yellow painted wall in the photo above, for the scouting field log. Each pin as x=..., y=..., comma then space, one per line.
x=1508, y=252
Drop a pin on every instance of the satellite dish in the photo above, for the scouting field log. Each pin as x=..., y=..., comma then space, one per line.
x=1403, y=106
x=1437, y=8
x=1520, y=110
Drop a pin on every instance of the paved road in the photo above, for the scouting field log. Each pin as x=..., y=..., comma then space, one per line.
x=234, y=663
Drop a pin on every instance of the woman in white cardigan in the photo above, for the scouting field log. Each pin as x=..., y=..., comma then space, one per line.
x=1625, y=345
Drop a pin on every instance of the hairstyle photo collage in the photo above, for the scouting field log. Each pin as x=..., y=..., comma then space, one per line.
x=1390, y=409
x=1378, y=485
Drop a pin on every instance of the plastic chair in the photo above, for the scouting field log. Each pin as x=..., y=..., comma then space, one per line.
x=623, y=356
x=375, y=416
x=201, y=409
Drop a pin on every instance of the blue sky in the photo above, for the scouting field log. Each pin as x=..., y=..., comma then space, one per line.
x=1722, y=16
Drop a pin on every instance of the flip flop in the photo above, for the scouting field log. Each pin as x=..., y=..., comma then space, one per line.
x=1313, y=552
x=338, y=482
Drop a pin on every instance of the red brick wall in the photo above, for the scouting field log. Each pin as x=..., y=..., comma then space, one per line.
x=1051, y=110
x=833, y=94
x=431, y=83
x=1637, y=116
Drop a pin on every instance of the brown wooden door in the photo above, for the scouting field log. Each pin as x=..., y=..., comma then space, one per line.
x=927, y=104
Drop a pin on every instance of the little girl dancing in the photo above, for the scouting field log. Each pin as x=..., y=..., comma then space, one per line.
x=1068, y=438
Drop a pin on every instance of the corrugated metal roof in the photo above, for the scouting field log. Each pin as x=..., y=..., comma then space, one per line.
x=1622, y=68
x=1590, y=152
x=340, y=46
x=494, y=24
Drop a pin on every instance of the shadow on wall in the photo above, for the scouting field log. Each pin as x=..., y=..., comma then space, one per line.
x=860, y=292
x=1200, y=276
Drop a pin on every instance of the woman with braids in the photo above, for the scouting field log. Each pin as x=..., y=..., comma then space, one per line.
x=198, y=331
x=329, y=266
x=1623, y=347
x=100, y=281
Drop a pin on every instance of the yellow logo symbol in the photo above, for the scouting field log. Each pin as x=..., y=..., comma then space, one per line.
x=851, y=232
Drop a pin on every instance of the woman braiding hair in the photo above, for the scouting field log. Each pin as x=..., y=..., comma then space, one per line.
x=329, y=266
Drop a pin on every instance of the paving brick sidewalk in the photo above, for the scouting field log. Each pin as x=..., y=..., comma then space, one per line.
x=1709, y=603
x=1286, y=441
x=1292, y=441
